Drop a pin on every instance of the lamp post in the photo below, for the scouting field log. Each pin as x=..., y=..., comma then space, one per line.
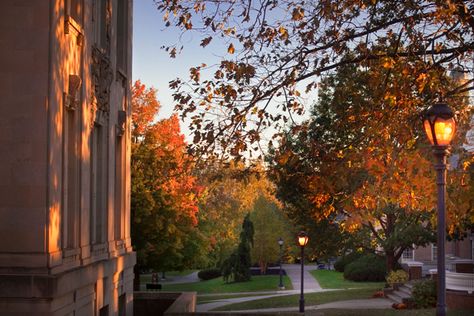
x=302, y=241
x=440, y=126
x=281, y=286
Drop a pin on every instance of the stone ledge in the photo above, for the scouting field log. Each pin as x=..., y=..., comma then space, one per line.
x=163, y=303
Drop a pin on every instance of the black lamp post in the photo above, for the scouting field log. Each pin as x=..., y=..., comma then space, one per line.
x=281, y=286
x=302, y=241
x=440, y=126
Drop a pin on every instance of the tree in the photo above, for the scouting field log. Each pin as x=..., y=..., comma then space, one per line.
x=360, y=159
x=275, y=51
x=164, y=194
x=231, y=190
x=270, y=224
x=237, y=266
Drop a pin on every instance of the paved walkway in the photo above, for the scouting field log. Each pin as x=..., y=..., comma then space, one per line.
x=190, y=278
x=294, y=273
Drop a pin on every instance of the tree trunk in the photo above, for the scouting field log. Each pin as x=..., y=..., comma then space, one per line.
x=263, y=267
x=136, y=280
x=390, y=260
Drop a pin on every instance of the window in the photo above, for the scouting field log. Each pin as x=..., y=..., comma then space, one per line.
x=408, y=254
x=122, y=302
x=98, y=185
x=122, y=35
x=434, y=252
x=71, y=165
x=119, y=188
x=102, y=24
x=104, y=311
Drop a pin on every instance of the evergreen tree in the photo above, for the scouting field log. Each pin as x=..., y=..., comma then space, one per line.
x=237, y=266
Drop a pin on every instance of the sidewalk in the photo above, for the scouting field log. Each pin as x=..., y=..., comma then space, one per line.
x=293, y=271
x=190, y=278
x=373, y=303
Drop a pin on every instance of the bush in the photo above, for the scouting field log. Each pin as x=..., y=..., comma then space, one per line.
x=209, y=274
x=397, y=276
x=424, y=293
x=341, y=263
x=367, y=268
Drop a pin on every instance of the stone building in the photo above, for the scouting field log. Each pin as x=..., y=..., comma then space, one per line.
x=65, y=77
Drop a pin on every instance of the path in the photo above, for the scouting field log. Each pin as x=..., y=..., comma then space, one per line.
x=190, y=278
x=373, y=303
x=293, y=271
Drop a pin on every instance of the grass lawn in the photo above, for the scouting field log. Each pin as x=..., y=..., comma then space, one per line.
x=310, y=299
x=329, y=279
x=257, y=283
x=384, y=312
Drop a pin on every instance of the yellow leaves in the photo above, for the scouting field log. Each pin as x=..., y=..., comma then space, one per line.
x=230, y=31
x=421, y=81
x=297, y=14
x=231, y=49
x=283, y=32
x=198, y=6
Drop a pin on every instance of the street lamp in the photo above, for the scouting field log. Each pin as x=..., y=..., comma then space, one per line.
x=302, y=241
x=281, y=286
x=440, y=126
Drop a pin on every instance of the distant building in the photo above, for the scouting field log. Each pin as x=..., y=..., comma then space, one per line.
x=65, y=76
x=469, y=144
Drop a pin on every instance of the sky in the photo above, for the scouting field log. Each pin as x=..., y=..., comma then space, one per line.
x=151, y=64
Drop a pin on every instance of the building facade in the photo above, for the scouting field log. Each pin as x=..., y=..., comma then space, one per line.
x=65, y=77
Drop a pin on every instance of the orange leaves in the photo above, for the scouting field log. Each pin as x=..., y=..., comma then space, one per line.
x=231, y=49
x=144, y=108
x=171, y=164
x=387, y=62
x=297, y=14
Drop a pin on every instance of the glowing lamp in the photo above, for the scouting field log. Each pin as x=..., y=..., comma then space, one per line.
x=302, y=238
x=439, y=124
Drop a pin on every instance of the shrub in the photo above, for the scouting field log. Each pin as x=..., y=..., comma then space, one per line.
x=341, y=263
x=397, y=276
x=209, y=274
x=367, y=268
x=424, y=294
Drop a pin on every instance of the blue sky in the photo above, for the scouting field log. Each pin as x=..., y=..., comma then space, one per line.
x=151, y=64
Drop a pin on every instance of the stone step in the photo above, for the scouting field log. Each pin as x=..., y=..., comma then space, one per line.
x=397, y=296
x=406, y=290
x=409, y=285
